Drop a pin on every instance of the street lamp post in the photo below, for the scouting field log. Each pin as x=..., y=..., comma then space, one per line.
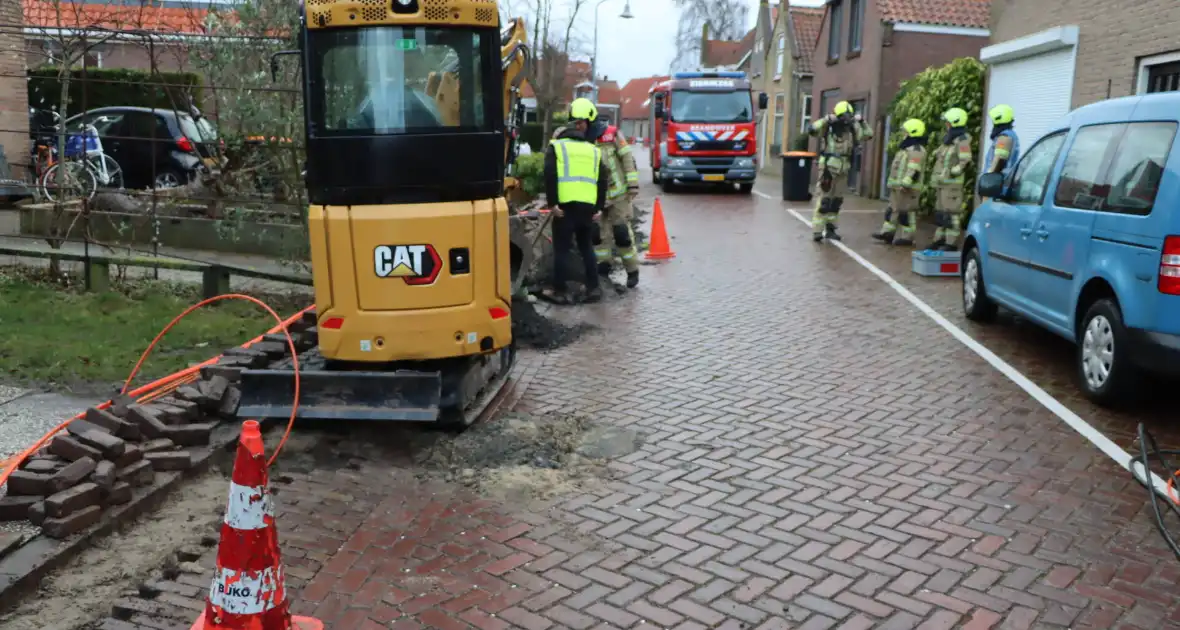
x=626, y=14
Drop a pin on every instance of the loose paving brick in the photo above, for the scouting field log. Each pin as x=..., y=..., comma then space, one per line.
x=816, y=454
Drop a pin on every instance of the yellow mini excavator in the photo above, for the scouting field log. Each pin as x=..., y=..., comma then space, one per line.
x=411, y=110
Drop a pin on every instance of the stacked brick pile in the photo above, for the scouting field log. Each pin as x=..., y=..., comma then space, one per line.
x=99, y=460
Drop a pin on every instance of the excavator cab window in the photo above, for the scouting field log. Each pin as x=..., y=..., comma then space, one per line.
x=399, y=80
x=403, y=114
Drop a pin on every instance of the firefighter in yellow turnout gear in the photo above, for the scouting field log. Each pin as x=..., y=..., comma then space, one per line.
x=951, y=160
x=839, y=132
x=905, y=185
x=614, y=233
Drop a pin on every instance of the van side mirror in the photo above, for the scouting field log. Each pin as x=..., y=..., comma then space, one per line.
x=763, y=100
x=274, y=62
x=660, y=110
x=991, y=185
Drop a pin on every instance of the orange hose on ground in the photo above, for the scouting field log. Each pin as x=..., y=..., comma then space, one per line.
x=166, y=385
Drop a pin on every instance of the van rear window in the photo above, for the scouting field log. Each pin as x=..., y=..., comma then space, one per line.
x=1138, y=166
x=1115, y=167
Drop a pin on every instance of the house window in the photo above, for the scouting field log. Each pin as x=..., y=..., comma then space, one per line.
x=805, y=114
x=782, y=53
x=779, y=107
x=1164, y=78
x=856, y=24
x=837, y=20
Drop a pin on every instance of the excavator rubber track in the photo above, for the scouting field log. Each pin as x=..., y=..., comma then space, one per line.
x=453, y=393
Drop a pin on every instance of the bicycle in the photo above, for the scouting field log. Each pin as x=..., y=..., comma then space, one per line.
x=87, y=166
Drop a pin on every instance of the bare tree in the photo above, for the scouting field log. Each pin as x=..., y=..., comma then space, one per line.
x=554, y=41
x=726, y=20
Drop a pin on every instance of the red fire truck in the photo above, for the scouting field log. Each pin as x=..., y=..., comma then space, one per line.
x=703, y=130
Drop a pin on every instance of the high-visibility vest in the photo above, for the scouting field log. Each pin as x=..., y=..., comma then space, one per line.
x=577, y=171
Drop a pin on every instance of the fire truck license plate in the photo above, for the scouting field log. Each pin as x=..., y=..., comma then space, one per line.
x=713, y=178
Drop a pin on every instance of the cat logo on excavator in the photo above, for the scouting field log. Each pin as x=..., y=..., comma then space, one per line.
x=414, y=264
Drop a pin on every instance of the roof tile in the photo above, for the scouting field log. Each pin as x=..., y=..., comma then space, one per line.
x=966, y=13
x=805, y=23
x=126, y=16
x=633, y=97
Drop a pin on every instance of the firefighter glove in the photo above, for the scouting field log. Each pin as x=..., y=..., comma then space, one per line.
x=956, y=170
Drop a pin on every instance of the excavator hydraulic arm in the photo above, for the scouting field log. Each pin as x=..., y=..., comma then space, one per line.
x=443, y=87
x=514, y=60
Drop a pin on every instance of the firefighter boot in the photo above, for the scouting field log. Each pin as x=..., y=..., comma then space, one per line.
x=817, y=237
x=904, y=241
x=831, y=234
x=632, y=279
x=884, y=236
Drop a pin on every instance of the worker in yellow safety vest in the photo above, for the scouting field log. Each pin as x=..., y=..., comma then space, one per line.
x=576, y=183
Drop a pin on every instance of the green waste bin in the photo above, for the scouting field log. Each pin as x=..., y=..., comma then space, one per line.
x=797, y=175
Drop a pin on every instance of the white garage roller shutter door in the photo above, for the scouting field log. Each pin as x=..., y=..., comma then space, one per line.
x=1039, y=88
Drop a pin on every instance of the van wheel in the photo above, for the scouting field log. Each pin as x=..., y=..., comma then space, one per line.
x=1104, y=369
x=977, y=306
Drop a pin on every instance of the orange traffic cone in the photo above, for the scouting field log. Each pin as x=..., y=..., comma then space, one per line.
x=248, y=591
x=659, y=248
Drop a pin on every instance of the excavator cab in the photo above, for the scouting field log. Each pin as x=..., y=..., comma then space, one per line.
x=409, y=230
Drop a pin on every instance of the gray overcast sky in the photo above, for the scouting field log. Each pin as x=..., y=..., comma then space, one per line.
x=642, y=46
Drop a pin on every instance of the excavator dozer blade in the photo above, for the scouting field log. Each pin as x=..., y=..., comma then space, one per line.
x=403, y=395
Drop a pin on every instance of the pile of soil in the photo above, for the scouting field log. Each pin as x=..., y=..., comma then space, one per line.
x=533, y=330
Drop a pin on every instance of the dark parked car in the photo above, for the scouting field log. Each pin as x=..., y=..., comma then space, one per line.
x=158, y=148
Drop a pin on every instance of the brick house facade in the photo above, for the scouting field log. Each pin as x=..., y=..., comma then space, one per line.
x=865, y=48
x=14, y=104
x=1050, y=56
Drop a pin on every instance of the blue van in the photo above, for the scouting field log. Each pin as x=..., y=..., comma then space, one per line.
x=1083, y=238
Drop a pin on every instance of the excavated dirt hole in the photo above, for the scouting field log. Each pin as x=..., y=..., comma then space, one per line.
x=517, y=456
x=531, y=329
x=528, y=457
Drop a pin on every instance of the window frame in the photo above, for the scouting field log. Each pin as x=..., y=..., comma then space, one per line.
x=1009, y=185
x=805, y=119
x=782, y=56
x=856, y=21
x=835, y=29
x=778, y=125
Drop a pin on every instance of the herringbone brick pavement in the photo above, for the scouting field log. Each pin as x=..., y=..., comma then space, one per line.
x=816, y=454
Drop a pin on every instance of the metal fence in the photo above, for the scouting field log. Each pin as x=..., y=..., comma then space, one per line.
x=166, y=189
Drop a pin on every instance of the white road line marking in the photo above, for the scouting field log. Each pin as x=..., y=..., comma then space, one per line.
x=1075, y=422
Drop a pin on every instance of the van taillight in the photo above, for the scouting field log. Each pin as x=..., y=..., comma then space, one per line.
x=1170, y=266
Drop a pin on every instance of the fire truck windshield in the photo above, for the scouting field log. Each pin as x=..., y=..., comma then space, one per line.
x=712, y=107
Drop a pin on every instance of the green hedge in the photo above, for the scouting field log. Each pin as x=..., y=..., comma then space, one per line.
x=530, y=170
x=926, y=96
x=106, y=87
